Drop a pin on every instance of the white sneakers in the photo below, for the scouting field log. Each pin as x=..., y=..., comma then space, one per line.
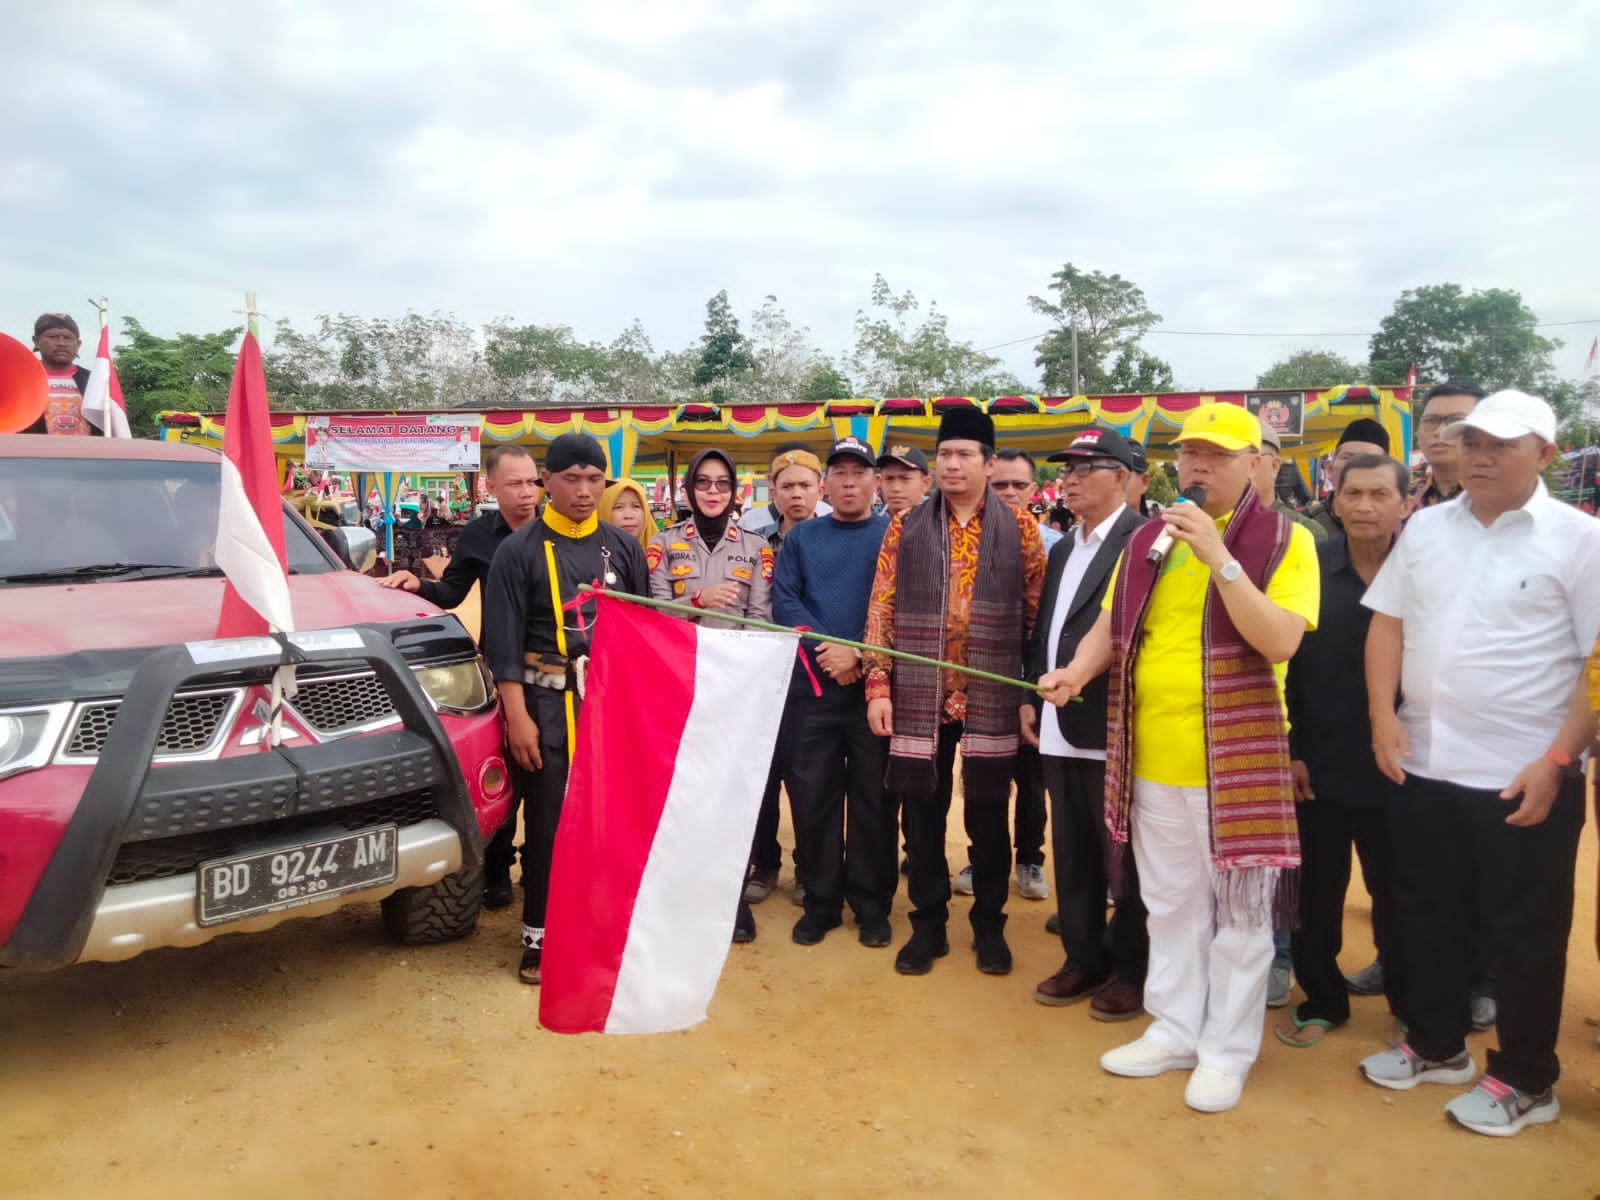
x=1209, y=1090
x=1213, y=1091
x=1144, y=1058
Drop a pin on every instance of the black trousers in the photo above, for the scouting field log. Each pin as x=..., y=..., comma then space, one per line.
x=1329, y=828
x=765, y=852
x=1080, y=843
x=1029, y=821
x=501, y=852
x=926, y=817
x=541, y=813
x=1451, y=847
x=844, y=827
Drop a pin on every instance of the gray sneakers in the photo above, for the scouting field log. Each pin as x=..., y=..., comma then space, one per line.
x=1031, y=883
x=961, y=885
x=1500, y=1110
x=1484, y=1011
x=1402, y=1068
x=1279, y=981
x=1366, y=982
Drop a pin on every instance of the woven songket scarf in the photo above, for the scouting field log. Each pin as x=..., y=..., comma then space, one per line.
x=1255, y=847
x=994, y=643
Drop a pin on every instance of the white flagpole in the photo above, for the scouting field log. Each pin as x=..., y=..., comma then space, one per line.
x=105, y=415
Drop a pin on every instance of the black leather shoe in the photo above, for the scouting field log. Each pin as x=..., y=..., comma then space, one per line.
x=994, y=956
x=874, y=931
x=744, y=925
x=497, y=892
x=1052, y=924
x=916, y=956
x=812, y=928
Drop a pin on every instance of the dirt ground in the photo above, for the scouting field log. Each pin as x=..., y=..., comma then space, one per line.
x=317, y=1060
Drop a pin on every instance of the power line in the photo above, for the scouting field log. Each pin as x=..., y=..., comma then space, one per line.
x=1252, y=334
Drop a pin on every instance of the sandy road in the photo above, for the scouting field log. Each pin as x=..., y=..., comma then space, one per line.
x=317, y=1060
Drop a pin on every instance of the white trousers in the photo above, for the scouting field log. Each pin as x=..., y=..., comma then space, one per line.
x=1207, y=987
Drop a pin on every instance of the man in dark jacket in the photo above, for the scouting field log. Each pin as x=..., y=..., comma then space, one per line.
x=1072, y=738
x=56, y=339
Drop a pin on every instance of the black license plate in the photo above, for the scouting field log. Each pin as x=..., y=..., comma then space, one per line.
x=248, y=884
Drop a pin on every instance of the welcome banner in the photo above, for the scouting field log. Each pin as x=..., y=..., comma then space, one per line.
x=416, y=442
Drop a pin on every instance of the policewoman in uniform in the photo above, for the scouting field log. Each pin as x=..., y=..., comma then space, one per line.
x=537, y=647
x=710, y=563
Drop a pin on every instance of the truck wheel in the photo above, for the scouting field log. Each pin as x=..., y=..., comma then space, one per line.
x=440, y=912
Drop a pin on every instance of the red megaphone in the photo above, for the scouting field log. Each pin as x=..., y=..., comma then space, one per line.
x=24, y=387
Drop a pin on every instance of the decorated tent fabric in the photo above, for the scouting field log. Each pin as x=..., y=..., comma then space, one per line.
x=637, y=438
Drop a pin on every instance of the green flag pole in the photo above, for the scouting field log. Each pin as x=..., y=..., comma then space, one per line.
x=686, y=610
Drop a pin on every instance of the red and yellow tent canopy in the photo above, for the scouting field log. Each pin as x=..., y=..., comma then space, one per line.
x=645, y=439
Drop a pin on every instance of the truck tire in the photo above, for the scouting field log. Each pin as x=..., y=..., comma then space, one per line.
x=440, y=912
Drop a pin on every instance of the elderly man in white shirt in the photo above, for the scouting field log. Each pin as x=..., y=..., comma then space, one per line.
x=1482, y=617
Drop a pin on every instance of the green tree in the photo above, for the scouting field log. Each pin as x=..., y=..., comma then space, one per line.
x=892, y=358
x=1311, y=369
x=413, y=362
x=724, y=351
x=1488, y=338
x=191, y=371
x=824, y=382
x=1138, y=372
x=545, y=364
x=1111, y=315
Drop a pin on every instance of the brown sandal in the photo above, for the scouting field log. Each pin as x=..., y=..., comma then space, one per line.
x=528, y=972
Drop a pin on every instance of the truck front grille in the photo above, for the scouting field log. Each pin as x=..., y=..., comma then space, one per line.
x=191, y=725
x=334, y=706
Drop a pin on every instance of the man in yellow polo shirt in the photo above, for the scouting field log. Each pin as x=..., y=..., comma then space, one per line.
x=1196, y=631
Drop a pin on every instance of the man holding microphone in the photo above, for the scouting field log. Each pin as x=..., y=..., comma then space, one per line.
x=1204, y=609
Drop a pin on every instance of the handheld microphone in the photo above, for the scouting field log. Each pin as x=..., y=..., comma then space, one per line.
x=1160, y=548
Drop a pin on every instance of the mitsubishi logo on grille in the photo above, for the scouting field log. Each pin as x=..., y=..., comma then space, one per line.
x=257, y=733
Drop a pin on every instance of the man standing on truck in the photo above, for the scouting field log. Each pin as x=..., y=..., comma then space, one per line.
x=513, y=481
x=536, y=635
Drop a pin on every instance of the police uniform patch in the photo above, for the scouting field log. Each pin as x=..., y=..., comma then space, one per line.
x=767, y=559
x=743, y=573
x=652, y=556
x=683, y=546
x=682, y=568
x=678, y=587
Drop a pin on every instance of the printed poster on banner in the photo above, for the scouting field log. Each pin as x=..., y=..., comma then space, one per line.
x=1284, y=413
x=417, y=442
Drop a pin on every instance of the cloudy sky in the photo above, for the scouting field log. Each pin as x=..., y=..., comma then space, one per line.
x=1268, y=167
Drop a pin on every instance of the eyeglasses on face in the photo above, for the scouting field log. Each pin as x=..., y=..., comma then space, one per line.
x=1083, y=469
x=1011, y=485
x=1439, y=420
x=704, y=483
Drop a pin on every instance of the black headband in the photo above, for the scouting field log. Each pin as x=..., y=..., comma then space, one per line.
x=574, y=450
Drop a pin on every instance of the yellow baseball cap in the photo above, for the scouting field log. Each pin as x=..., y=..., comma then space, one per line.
x=1230, y=426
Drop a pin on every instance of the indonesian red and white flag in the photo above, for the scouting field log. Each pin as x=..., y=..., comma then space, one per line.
x=1411, y=379
x=102, y=395
x=1594, y=354
x=656, y=826
x=250, y=547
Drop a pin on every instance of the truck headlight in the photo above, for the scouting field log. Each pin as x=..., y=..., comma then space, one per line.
x=462, y=688
x=28, y=736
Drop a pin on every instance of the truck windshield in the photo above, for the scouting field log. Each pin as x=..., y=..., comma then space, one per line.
x=92, y=519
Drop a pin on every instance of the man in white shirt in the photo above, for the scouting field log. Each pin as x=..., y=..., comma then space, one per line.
x=1072, y=738
x=1482, y=617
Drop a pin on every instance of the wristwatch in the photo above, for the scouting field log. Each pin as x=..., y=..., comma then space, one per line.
x=1230, y=570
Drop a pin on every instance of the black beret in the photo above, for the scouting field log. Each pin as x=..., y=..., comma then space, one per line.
x=574, y=450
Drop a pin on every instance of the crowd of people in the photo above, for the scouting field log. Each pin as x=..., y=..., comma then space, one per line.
x=1207, y=710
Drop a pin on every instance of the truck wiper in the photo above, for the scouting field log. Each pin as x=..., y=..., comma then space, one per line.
x=92, y=571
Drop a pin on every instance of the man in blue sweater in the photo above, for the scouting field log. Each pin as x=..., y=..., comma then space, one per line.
x=824, y=582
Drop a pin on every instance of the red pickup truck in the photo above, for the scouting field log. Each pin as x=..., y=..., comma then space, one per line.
x=141, y=804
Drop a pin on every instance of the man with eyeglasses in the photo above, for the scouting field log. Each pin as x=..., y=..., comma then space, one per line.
x=1442, y=406
x=1361, y=436
x=1482, y=617
x=1013, y=478
x=1196, y=628
x=1106, y=961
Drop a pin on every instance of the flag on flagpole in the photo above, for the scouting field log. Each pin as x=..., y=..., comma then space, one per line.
x=102, y=395
x=1594, y=354
x=1411, y=379
x=250, y=546
x=656, y=826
